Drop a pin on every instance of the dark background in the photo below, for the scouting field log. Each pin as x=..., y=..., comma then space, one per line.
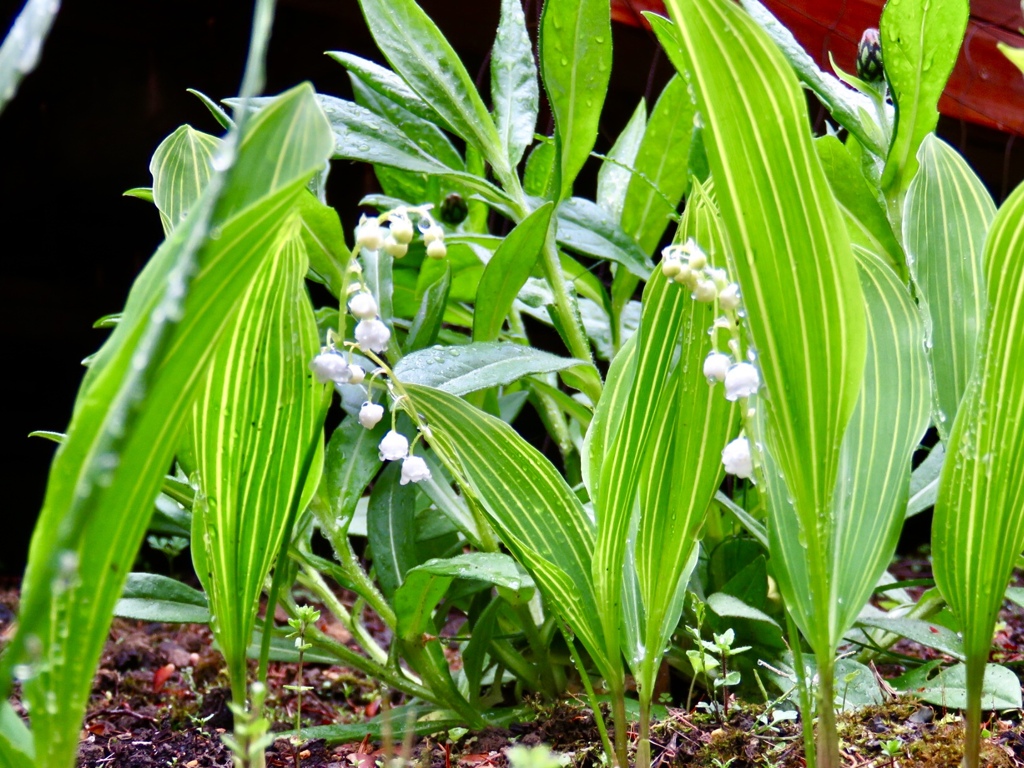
x=110, y=86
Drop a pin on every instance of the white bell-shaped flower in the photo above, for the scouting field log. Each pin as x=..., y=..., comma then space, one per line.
x=716, y=365
x=372, y=335
x=736, y=458
x=368, y=234
x=414, y=469
x=401, y=228
x=330, y=366
x=395, y=247
x=371, y=414
x=393, y=447
x=437, y=249
x=705, y=292
x=363, y=306
x=741, y=381
x=433, y=233
x=356, y=374
x=729, y=297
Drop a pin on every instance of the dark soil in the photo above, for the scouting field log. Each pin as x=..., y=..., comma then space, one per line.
x=160, y=699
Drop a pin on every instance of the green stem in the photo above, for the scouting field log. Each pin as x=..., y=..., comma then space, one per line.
x=621, y=723
x=806, y=700
x=540, y=651
x=643, y=747
x=828, y=736
x=314, y=582
x=595, y=705
x=972, y=715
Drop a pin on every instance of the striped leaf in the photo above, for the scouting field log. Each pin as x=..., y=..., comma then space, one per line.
x=978, y=529
x=130, y=411
x=254, y=418
x=181, y=170
x=536, y=514
x=874, y=475
x=682, y=467
x=790, y=253
x=947, y=214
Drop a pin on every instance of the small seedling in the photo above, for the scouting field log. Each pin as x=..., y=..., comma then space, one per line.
x=305, y=617
x=251, y=736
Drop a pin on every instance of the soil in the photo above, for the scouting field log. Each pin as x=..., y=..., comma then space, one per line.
x=160, y=699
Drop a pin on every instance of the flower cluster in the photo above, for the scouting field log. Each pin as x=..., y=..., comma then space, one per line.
x=372, y=335
x=331, y=365
x=395, y=237
x=395, y=446
x=688, y=264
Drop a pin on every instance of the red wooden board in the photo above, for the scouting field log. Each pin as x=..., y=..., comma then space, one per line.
x=984, y=88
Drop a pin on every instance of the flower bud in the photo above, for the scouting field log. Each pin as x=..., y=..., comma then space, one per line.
x=670, y=267
x=705, y=292
x=729, y=297
x=368, y=234
x=741, y=380
x=869, y=57
x=395, y=247
x=401, y=229
x=686, y=276
x=716, y=365
x=363, y=306
x=414, y=469
x=372, y=335
x=436, y=249
x=330, y=366
x=433, y=233
x=454, y=209
x=393, y=447
x=371, y=414
x=736, y=458
x=698, y=259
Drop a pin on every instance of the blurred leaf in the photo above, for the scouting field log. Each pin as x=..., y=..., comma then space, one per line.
x=949, y=688
x=16, y=747
x=324, y=243
x=921, y=42
x=417, y=719
x=152, y=597
x=514, y=91
x=507, y=271
x=480, y=365
x=576, y=64
x=20, y=50
x=947, y=214
x=584, y=227
x=728, y=606
x=926, y=633
x=924, y=482
x=128, y=415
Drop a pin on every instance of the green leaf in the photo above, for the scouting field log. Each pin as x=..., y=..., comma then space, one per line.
x=584, y=227
x=920, y=43
x=508, y=270
x=540, y=168
x=20, y=51
x=852, y=110
x=978, y=528
x=129, y=413
x=947, y=214
x=924, y=481
x=507, y=476
x=391, y=528
x=1015, y=55
x=926, y=633
x=868, y=224
x=949, y=688
x=427, y=323
x=152, y=597
x=615, y=174
x=729, y=607
x=254, y=420
x=415, y=719
x=16, y=747
x=480, y=365
x=661, y=166
x=181, y=168
x=575, y=64
x=514, y=91
x=222, y=117
x=385, y=82
x=324, y=242
x=421, y=56
x=791, y=255
x=871, y=489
